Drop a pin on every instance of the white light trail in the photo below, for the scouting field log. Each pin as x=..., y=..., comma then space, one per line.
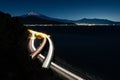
x=31, y=43
x=39, y=48
x=47, y=61
x=48, y=58
x=33, y=38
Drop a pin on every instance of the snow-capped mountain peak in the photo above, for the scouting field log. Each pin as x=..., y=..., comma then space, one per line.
x=33, y=13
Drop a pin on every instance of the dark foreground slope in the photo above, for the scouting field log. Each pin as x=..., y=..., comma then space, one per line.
x=15, y=63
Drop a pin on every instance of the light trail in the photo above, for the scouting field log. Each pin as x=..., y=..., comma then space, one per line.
x=39, y=48
x=47, y=61
x=31, y=42
x=60, y=70
x=40, y=35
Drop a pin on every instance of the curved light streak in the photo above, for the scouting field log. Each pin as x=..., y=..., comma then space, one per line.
x=31, y=43
x=48, y=59
x=33, y=35
x=69, y=75
x=39, y=48
x=60, y=70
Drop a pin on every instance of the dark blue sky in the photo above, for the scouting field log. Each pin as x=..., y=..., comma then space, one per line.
x=65, y=9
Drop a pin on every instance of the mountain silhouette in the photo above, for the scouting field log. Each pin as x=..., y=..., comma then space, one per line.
x=96, y=21
x=37, y=18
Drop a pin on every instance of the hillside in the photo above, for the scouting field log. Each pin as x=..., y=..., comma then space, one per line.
x=16, y=63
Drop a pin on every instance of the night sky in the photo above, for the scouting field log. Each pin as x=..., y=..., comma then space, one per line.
x=65, y=9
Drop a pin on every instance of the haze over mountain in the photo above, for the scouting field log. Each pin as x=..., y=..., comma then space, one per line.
x=36, y=18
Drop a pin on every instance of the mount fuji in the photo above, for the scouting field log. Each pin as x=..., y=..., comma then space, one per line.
x=37, y=18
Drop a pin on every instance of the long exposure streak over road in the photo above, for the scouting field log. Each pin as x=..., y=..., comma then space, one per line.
x=47, y=60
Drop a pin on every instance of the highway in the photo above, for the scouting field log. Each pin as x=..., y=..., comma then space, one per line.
x=47, y=61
